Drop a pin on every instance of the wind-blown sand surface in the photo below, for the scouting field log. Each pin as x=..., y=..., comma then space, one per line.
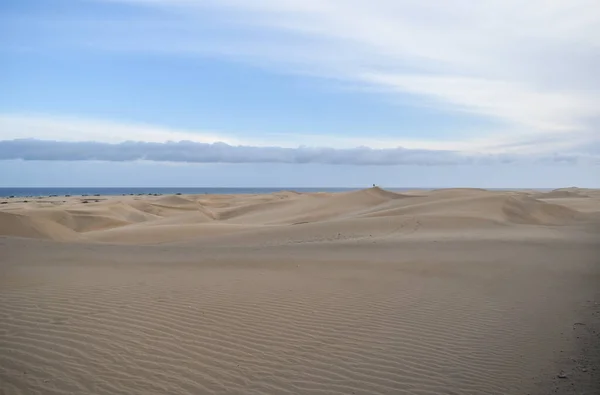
x=457, y=291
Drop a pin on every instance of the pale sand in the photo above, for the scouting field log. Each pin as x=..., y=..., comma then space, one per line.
x=461, y=291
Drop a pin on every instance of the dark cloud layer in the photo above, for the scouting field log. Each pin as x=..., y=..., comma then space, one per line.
x=192, y=152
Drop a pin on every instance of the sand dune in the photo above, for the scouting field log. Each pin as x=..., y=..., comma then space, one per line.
x=81, y=220
x=312, y=208
x=172, y=218
x=501, y=208
x=164, y=232
x=456, y=291
x=559, y=194
x=526, y=210
x=26, y=226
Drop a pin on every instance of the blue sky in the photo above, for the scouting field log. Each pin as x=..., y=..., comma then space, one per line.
x=493, y=94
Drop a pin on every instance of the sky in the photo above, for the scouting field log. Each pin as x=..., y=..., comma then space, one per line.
x=305, y=93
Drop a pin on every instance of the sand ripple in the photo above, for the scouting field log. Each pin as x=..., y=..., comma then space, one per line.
x=253, y=330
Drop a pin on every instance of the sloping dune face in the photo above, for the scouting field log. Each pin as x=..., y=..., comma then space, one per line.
x=525, y=210
x=31, y=227
x=482, y=205
x=372, y=212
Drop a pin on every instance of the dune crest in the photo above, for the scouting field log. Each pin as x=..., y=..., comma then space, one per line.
x=24, y=226
x=525, y=210
x=372, y=211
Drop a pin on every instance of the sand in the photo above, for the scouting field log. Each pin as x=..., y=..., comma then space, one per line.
x=456, y=291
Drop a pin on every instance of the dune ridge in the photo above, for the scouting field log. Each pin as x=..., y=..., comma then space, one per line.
x=20, y=225
x=165, y=219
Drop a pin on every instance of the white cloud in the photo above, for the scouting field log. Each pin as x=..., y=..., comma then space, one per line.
x=19, y=126
x=541, y=110
x=78, y=129
x=192, y=152
x=35, y=137
x=532, y=66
